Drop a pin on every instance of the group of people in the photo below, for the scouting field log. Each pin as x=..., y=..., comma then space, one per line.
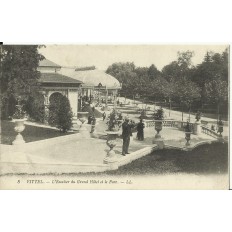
x=127, y=127
x=127, y=133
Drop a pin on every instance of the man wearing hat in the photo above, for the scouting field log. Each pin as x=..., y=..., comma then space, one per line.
x=126, y=133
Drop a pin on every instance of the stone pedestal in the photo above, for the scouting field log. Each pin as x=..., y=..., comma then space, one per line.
x=93, y=132
x=159, y=142
x=111, y=143
x=188, y=138
x=19, y=127
x=84, y=131
x=197, y=128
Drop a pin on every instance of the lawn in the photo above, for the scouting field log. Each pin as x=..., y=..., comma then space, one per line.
x=206, y=159
x=30, y=134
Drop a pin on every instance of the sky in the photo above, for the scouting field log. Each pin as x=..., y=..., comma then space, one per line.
x=101, y=56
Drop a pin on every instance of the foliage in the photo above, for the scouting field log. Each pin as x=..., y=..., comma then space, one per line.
x=60, y=114
x=217, y=90
x=185, y=91
x=35, y=107
x=214, y=66
x=159, y=114
x=19, y=112
x=54, y=107
x=19, y=73
x=153, y=72
x=64, y=115
x=125, y=74
x=113, y=121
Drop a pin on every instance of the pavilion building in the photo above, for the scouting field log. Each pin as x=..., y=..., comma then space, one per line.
x=54, y=83
x=77, y=84
x=97, y=84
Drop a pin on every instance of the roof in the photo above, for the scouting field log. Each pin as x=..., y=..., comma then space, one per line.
x=93, y=78
x=48, y=63
x=57, y=78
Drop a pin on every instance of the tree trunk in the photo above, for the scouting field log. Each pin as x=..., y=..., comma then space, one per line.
x=182, y=113
x=189, y=112
x=170, y=106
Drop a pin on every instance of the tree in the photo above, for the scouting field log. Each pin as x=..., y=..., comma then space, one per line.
x=125, y=74
x=185, y=93
x=153, y=72
x=19, y=73
x=217, y=92
x=171, y=71
x=35, y=108
x=184, y=59
x=179, y=68
x=213, y=66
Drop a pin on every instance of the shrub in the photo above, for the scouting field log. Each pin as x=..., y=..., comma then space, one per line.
x=35, y=107
x=54, y=107
x=60, y=114
x=64, y=115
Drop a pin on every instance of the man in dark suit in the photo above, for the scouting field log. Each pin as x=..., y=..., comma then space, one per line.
x=140, y=128
x=126, y=133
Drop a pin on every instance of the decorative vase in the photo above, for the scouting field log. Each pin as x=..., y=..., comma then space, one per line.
x=158, y=128
x=111, y=143
x=188, y=138
x=19, y=127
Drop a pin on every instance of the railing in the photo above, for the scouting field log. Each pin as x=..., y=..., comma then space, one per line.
x=209, y=132
x=170, y=123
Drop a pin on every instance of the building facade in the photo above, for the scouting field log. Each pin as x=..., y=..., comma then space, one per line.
x=53, y=83
x=77, y=84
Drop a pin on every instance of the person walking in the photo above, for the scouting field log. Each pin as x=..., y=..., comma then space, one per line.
x=140, y=131
x=126, y=133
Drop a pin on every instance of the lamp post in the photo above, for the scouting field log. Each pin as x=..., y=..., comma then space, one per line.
x=170, y=106
x=99, y=86
x=189, y=110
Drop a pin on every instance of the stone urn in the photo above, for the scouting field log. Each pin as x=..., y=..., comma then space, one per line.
x=188, y=138
x=19, y=127
x=158, y=128
x=111, y=143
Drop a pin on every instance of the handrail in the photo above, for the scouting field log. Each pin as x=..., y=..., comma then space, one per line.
x=209, y=132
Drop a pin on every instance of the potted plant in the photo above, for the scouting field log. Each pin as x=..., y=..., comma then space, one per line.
x=114, y=121
x=188, y=134
x=19, y=118
x=158, y=117
x=114, y=124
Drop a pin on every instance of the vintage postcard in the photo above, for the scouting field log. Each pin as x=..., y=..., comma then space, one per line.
x=114, y=117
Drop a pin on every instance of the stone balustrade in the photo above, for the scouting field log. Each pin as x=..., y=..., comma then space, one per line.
x=209, y=132
x=169, y=123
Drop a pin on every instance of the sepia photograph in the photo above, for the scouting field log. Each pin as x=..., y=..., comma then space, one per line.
x=114, y=116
